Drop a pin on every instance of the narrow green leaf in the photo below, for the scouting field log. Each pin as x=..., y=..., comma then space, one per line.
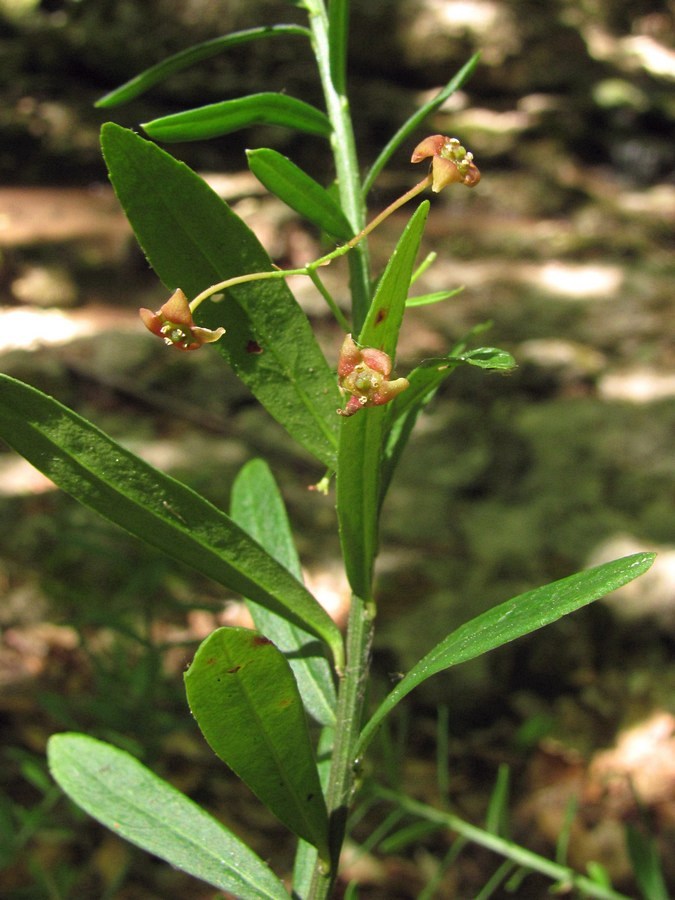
x=489, y=358
x=508, y=621
x=338, y=37
x=482, y=357
x=435, y=297
x=497, y=818
x=385, y=315
x=257, y=506
x=123, y=795
x=188, y=57
x=362, y=435
x=413, y=834
x=455, y=83
x=101, y=474
x=646, y=865
x=357, y=485
x=563, y=839
x=299, y=191
x=244, y=697
x=599, y=876
x=424, y=382
x=193, y=240
x=217, y=119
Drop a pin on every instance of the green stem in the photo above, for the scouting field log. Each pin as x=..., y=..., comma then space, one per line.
x=332, y=305
x=517, y=854
x=330, y=52
x=343, y=773
x=311, y=267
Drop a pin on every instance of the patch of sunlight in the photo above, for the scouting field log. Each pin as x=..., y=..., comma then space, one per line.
x=508, y=122
x=657, y=201
x=473, y=15
x=631, y=53
x=19, y=479
x=654, y=57
x=637, y=385
x=580, y=281
x=28, y=329
x=329, y=586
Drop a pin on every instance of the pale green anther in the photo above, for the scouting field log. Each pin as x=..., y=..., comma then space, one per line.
x=173, y=335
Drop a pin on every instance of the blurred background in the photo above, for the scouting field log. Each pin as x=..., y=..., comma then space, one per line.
x=566, y=247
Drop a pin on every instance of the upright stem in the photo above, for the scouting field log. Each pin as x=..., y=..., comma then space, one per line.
x=346, y=161
x=351, y=696
x=330, y=52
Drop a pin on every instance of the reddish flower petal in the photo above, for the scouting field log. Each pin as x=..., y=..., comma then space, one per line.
x=430, y=146
x=377, y=359
x=177, y=310
x=350, y=355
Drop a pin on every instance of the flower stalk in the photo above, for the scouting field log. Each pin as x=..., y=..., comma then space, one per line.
x=451, y=163
x=310, y=268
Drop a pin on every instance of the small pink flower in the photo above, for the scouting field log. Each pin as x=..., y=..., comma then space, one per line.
x=173, y=322
x=364, y=374
x=450, y=162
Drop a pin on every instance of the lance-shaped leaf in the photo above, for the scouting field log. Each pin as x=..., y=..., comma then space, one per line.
x=218, y=119
x=190, y=56
x=362, y=435
x=246, y=702
x=160, y=510
x=193, y=240
x=258, y=507
x=511, y=620
x=435, y=297
x=299, y=191
x=385, y=314
x=128, y=798
x=424, y=382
